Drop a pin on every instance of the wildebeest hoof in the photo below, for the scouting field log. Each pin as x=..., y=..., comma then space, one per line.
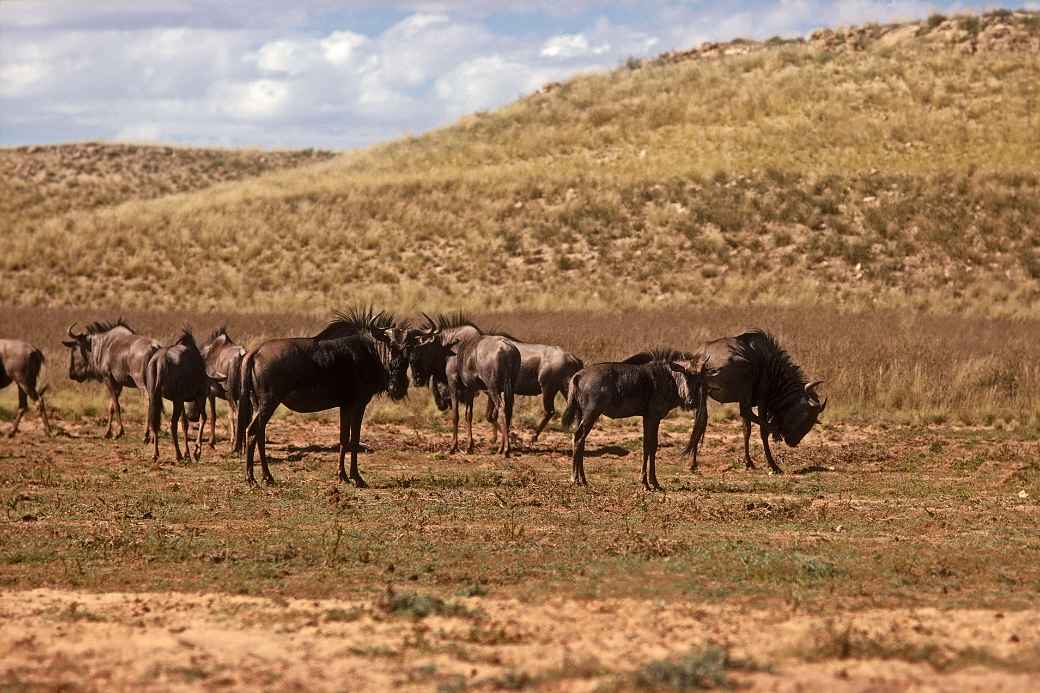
x=359, y=482
x=108, y=434
x=120, y=434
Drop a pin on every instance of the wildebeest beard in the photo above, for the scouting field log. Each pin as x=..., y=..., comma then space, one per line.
x=397, y=376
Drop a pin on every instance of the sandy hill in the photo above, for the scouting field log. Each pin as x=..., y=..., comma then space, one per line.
x=878, y=165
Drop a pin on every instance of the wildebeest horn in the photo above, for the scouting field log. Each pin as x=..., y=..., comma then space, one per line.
x=823, y=406
x=810, y=389
x=433, y=325
x=69, y=331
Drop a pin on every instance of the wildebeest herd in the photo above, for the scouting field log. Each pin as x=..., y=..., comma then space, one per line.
x=365, y=353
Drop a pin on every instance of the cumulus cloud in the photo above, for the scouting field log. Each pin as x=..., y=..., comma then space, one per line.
x=256, y=73
x=571, y=46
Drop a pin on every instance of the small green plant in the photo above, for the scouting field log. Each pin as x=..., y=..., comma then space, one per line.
x=702, y=668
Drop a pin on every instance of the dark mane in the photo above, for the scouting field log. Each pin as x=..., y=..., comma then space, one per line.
x=659, y=354
x=217, y=333
x=446, y=321
x=99, y=327
x=186, y=339
x=783, y=377
x=358, y=320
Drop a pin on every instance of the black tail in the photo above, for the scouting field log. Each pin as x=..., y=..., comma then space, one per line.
x=245, y=401
x=573, y=408
x=153, y=384
x=700, y=420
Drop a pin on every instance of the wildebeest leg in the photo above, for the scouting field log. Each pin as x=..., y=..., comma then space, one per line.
x=232, y=421
x=492, y=418
x=581, y=433
x=507, y=424
x=43, y=410
x=469, y=423
x=256, y=433
x=201, y=405
x=454, y=422
x=549, y=407
x=213, y=421
x=345, y=419
x=114, y=391
x=178, y=412
x=355, y=441
x=650, y=428
x=748, y=464
x=773, y=467
x=23, y=406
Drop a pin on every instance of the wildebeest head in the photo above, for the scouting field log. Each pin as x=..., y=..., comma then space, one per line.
x=441, y=396
x=397, y=347
x=427, y=354
x=796, y=420
x=79, y=355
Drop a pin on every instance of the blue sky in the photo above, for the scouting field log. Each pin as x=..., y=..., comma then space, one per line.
x=343, y=74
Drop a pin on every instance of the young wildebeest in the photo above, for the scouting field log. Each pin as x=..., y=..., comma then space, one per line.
x=460, y=361
x=112, y=353
x=753, y=370
x=620, y=390
x=177, y=373
x=223, y=361
x=544, y=370
x=20, y=363
x=355, y=358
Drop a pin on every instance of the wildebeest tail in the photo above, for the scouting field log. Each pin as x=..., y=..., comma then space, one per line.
x=700, y=419
x=153, y=378
x=573, y=408
x=245, y=400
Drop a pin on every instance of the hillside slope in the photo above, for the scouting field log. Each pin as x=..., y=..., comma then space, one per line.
x=888, y=165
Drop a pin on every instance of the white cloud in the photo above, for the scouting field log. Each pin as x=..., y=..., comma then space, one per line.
x=256, y=100
x=571, y=46
x=17, y=79
x=487, y=81
x=341, y=47
x=289, y=57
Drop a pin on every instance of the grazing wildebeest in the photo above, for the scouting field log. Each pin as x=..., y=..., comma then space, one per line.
x=544, y=370
x=177, y=373
x=358, y=356
x=115, y=355
x=223, y=361
x=20, y=363
x=753, y=370
x=462, y=361
x=650, y=389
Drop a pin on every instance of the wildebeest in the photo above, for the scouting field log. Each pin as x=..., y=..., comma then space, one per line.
x=20, y=363
x=177, y=373
x=358, y=356
x=461, y=360
x=113, y=354
x=753, y=370
x=650, y=389
x=544, y=370
x=223, y=361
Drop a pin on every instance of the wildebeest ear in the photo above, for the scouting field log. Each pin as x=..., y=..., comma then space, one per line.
x=70, y=343
x=678, y=367
x=383, y=335
x=451, y=346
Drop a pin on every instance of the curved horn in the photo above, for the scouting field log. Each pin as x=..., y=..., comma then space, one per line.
x=70, y=333
x=810, y=389
x=433, y=325
x=823, y=406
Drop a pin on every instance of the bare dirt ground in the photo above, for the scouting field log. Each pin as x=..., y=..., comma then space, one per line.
x=888, y=558
x=171, y=641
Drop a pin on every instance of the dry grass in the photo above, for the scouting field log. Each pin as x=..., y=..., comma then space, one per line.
x=882, y=365
x=802, y=174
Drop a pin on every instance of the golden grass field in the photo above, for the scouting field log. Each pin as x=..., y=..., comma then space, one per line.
x=869, y=195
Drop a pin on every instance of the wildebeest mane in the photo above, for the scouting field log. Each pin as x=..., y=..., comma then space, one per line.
x=447, y=321
x=782, y=379
x=217, y=333
x=661, y=354
x=187, y=339
x=98, y=327
x=358, y=320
